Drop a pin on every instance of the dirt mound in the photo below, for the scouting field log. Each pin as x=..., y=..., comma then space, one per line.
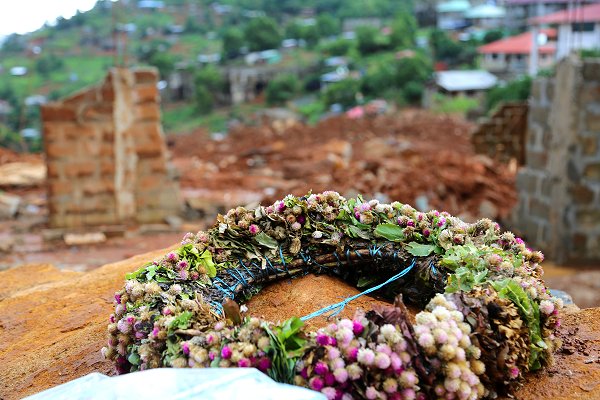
x=53, y=328
x=405, y=157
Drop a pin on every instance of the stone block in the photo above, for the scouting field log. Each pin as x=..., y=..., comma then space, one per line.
x=147, y=112
x=590, y=93
x=60, y=150
x=588, y=219
x=592, y=122
x=527, y=182
x=145, y=75
x=98, y=112
x=589, y=145
x=581, y=194
x=53, y=112
x=146, y=93
x=536, y=159
x=591, y=70
x=539, y=208
x=546, y=187
x=592, y=172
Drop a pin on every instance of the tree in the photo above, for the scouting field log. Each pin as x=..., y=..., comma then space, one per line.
x=262, y=33
x=233, y=41
x=517, y=90
x=404, y=31
x=339, y=47
x=492, y=36
x=282, y=89
x=370, y=40
x=343, y=92
x=327, y=25
x=208, y=82
x=47, y=64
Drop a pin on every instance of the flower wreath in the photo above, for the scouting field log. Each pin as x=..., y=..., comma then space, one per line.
x=487, y=316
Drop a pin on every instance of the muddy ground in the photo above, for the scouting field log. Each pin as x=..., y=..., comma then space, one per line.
x=53, y=323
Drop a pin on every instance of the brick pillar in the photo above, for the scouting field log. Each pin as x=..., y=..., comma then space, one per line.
x=104, y=149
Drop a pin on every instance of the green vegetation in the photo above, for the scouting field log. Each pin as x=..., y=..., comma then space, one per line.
x=517, y=90
x=208, y=81
x=282, y=89
x=453, y=105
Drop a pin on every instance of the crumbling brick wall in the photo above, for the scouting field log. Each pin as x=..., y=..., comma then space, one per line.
x=502, y=136
x=106, y=154
x=559, y=186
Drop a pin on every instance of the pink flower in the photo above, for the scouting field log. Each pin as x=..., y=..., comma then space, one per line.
x=518, y=240
x=279, y=206
x=117, y=298
x=316, y=383
x=322, y=339
x=382, y=361
x=371, y=393
x=333, y=353
x=244, y=363
x=329, y=392
x=254, y=229
x=341, y=375
x=514, y=372
x=296, y=226
x=426, y=232
x=172, y=256
x=182, y=264
x=395, y=362
x=184, y=274
x=441, y=222
x=366, y=356
x=321, y=368
x=352, y=353
x=226, y=352
x=211, y=356
x=329, y=379
x=357, y=327
x=410, y=223
x=185, y=348
x=264, y=364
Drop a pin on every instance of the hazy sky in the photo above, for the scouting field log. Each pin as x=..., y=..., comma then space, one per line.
x=22, y=16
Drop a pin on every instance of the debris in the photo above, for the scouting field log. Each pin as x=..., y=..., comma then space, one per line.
x=22, y=174
x=9, y=205
x=80, y=239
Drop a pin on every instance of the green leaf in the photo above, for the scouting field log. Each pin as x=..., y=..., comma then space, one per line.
x=389, y=231
x=182, y=321
x=355, y=231
x=136, y=274
x=420, y=250
x=207, y=262
x=134, y=358
x=366, y=281
x=150, y=272
x=267, y=241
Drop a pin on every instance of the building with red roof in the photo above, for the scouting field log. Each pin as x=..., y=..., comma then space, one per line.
x=520, y=11
x=512, y=54
x=578, y=28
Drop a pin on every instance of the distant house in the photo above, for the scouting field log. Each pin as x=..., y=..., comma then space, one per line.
x=518, y=12
x=151, y=5
x=451, y=14
x=468, y=82
x=350, y=24
x=512, y=54
x=578, y=28
x=486, y=16
x=5, y=110
x=18, y=71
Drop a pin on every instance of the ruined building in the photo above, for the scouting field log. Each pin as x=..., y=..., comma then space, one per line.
x=106, y=154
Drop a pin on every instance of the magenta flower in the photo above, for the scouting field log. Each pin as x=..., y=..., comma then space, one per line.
x=155, y=331
x=316, y=383
x=254, y=229
x=410, y=223
x=301, y=219
x=172, y=256
x=352, y=354
x=441, y=222
x=322, y=339
x=183, y=274
x=341, y=375
x=185, y=348
x=166, y=311
x=264, y=364
x=182, y=264
x=357, y=327
x=117, y=298
x=226, y=352
x=426, y=232
x=244, y=363
x=321, y=368
x=514, y=372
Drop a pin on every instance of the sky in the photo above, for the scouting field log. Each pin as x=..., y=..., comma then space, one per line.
x=22, y=16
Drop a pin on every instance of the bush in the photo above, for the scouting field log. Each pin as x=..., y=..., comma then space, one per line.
x=370, y=40
x=517, y=90
x=262, y=34
x=343, y=92
x=413, y=92
x=338, y=47
x=492, y=36
x=45, y=65
x=208, y=82
x=282, y=89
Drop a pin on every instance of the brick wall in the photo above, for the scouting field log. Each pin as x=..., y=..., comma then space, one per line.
x=106, y=155
x=502, y=137
x=559, y=186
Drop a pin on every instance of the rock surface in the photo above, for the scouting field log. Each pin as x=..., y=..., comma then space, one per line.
x=52, y=325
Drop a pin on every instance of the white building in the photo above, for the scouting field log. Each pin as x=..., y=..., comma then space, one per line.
x=578, y=28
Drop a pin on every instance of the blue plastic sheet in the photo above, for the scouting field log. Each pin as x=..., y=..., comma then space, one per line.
x=183, y=383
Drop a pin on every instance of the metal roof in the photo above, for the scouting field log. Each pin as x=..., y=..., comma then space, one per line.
x=453, y=81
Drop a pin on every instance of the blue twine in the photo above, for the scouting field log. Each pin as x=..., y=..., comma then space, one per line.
x=218, y=307
x=226, y=288
x=338, y=307
x=246, y=268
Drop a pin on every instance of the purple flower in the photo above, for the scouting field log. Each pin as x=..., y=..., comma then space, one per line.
x=352, y=353
x=441, y=222
x=117, y=298
x=301, y=219
x=244, y=363
x=211, y=356
x=322, y=339
x=254, y=229
x=426, y=232
x=329, y=379
x=279, y=206
x=410, y=223
x=226, y=352
x=194, y=275
x=321, y=368
x=155, y=331
x=172, y=256
x=264, y=364
x=112, y=318
x=182, y=264
x=518, y=240
x=183, y=274
x=514, y=372
x=357, y=327
x=185, y=348
x=304, y=373
x=316, y=383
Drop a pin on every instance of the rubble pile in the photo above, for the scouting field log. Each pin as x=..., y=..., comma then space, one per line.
x=415, y=157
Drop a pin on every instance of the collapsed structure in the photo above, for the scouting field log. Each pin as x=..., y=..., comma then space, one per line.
x=106, y=154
